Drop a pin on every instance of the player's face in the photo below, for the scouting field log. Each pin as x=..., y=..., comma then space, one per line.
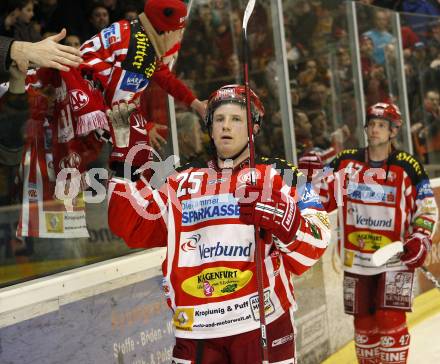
x=379, y=133
x=229, y=129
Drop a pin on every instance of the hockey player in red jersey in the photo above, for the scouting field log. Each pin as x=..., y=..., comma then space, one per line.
x=205, y=214
x=383, y=195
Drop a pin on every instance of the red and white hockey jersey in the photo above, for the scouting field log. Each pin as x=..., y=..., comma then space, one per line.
x=209, y=271
x=378, y=205
x=123, y=58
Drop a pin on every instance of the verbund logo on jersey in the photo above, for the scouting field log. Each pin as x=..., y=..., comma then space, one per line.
x=224, y=250
x=209, y=208
x=214, y=244
x=370, y=217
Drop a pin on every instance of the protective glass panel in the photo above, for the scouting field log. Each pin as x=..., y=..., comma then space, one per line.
x=421, y=35
x=321, y=76
x=379, y=56
x=211, y=57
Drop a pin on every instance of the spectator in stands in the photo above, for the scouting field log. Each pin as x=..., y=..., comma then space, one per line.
x=316, y=98
x=366, y=49
x=302, y=22
x=227, y=39
x=190, y=137
x=409, y=37
x=17, y=22
x=426, y=128
x=376, y=85
x=310, y=74
x=323, y=30
x=98, y=19
x=322, y=137
x=114, y=9
x=319, y=123
x=429, y=113
x=130, y=12
x=73, y=41
x=380, y=35
x=303, y=132
x=44, y=12
x=433, y=41
x=344, y=69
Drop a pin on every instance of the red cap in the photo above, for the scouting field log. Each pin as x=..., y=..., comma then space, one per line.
x=166, y=15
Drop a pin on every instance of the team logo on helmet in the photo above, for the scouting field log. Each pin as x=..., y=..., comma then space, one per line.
x=237, y=94
x=385, y=111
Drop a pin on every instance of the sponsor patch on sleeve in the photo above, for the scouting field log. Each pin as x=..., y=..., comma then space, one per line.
x=424, y=190
x=111, y=35
x=424, y=224
x=309, y=199
x=132, y=82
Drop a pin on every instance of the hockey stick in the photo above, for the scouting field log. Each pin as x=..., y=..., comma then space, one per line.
x=430, y=277
x=382, y=255
x=258, y=249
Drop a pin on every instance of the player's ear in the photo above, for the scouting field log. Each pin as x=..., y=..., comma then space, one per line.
x=256, y=129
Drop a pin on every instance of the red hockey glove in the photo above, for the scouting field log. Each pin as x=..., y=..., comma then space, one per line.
x=276, y=213
x=310, y=164
x=415, y=250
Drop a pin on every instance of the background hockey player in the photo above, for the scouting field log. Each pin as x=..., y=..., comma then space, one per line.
x=206, y=214
x=383, y=196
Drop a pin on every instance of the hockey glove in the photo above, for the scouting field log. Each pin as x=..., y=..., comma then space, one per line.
x=415, y=250
x=130, y=141
x=275, y=213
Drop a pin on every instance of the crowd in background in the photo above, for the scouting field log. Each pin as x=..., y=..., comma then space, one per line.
x=320, y=64
x=318, y=53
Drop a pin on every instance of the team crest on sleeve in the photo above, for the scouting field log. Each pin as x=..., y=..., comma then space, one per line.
x=424, y=190
x=309, y=198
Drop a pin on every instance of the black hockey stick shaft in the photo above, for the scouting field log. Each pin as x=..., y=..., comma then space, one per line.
x=258, y=248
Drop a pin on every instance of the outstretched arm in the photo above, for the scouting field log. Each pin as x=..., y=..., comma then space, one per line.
x=46, y=53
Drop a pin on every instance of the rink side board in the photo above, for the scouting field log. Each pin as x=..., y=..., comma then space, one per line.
x=433, y=258
x=119, y=315
x=115, y=312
